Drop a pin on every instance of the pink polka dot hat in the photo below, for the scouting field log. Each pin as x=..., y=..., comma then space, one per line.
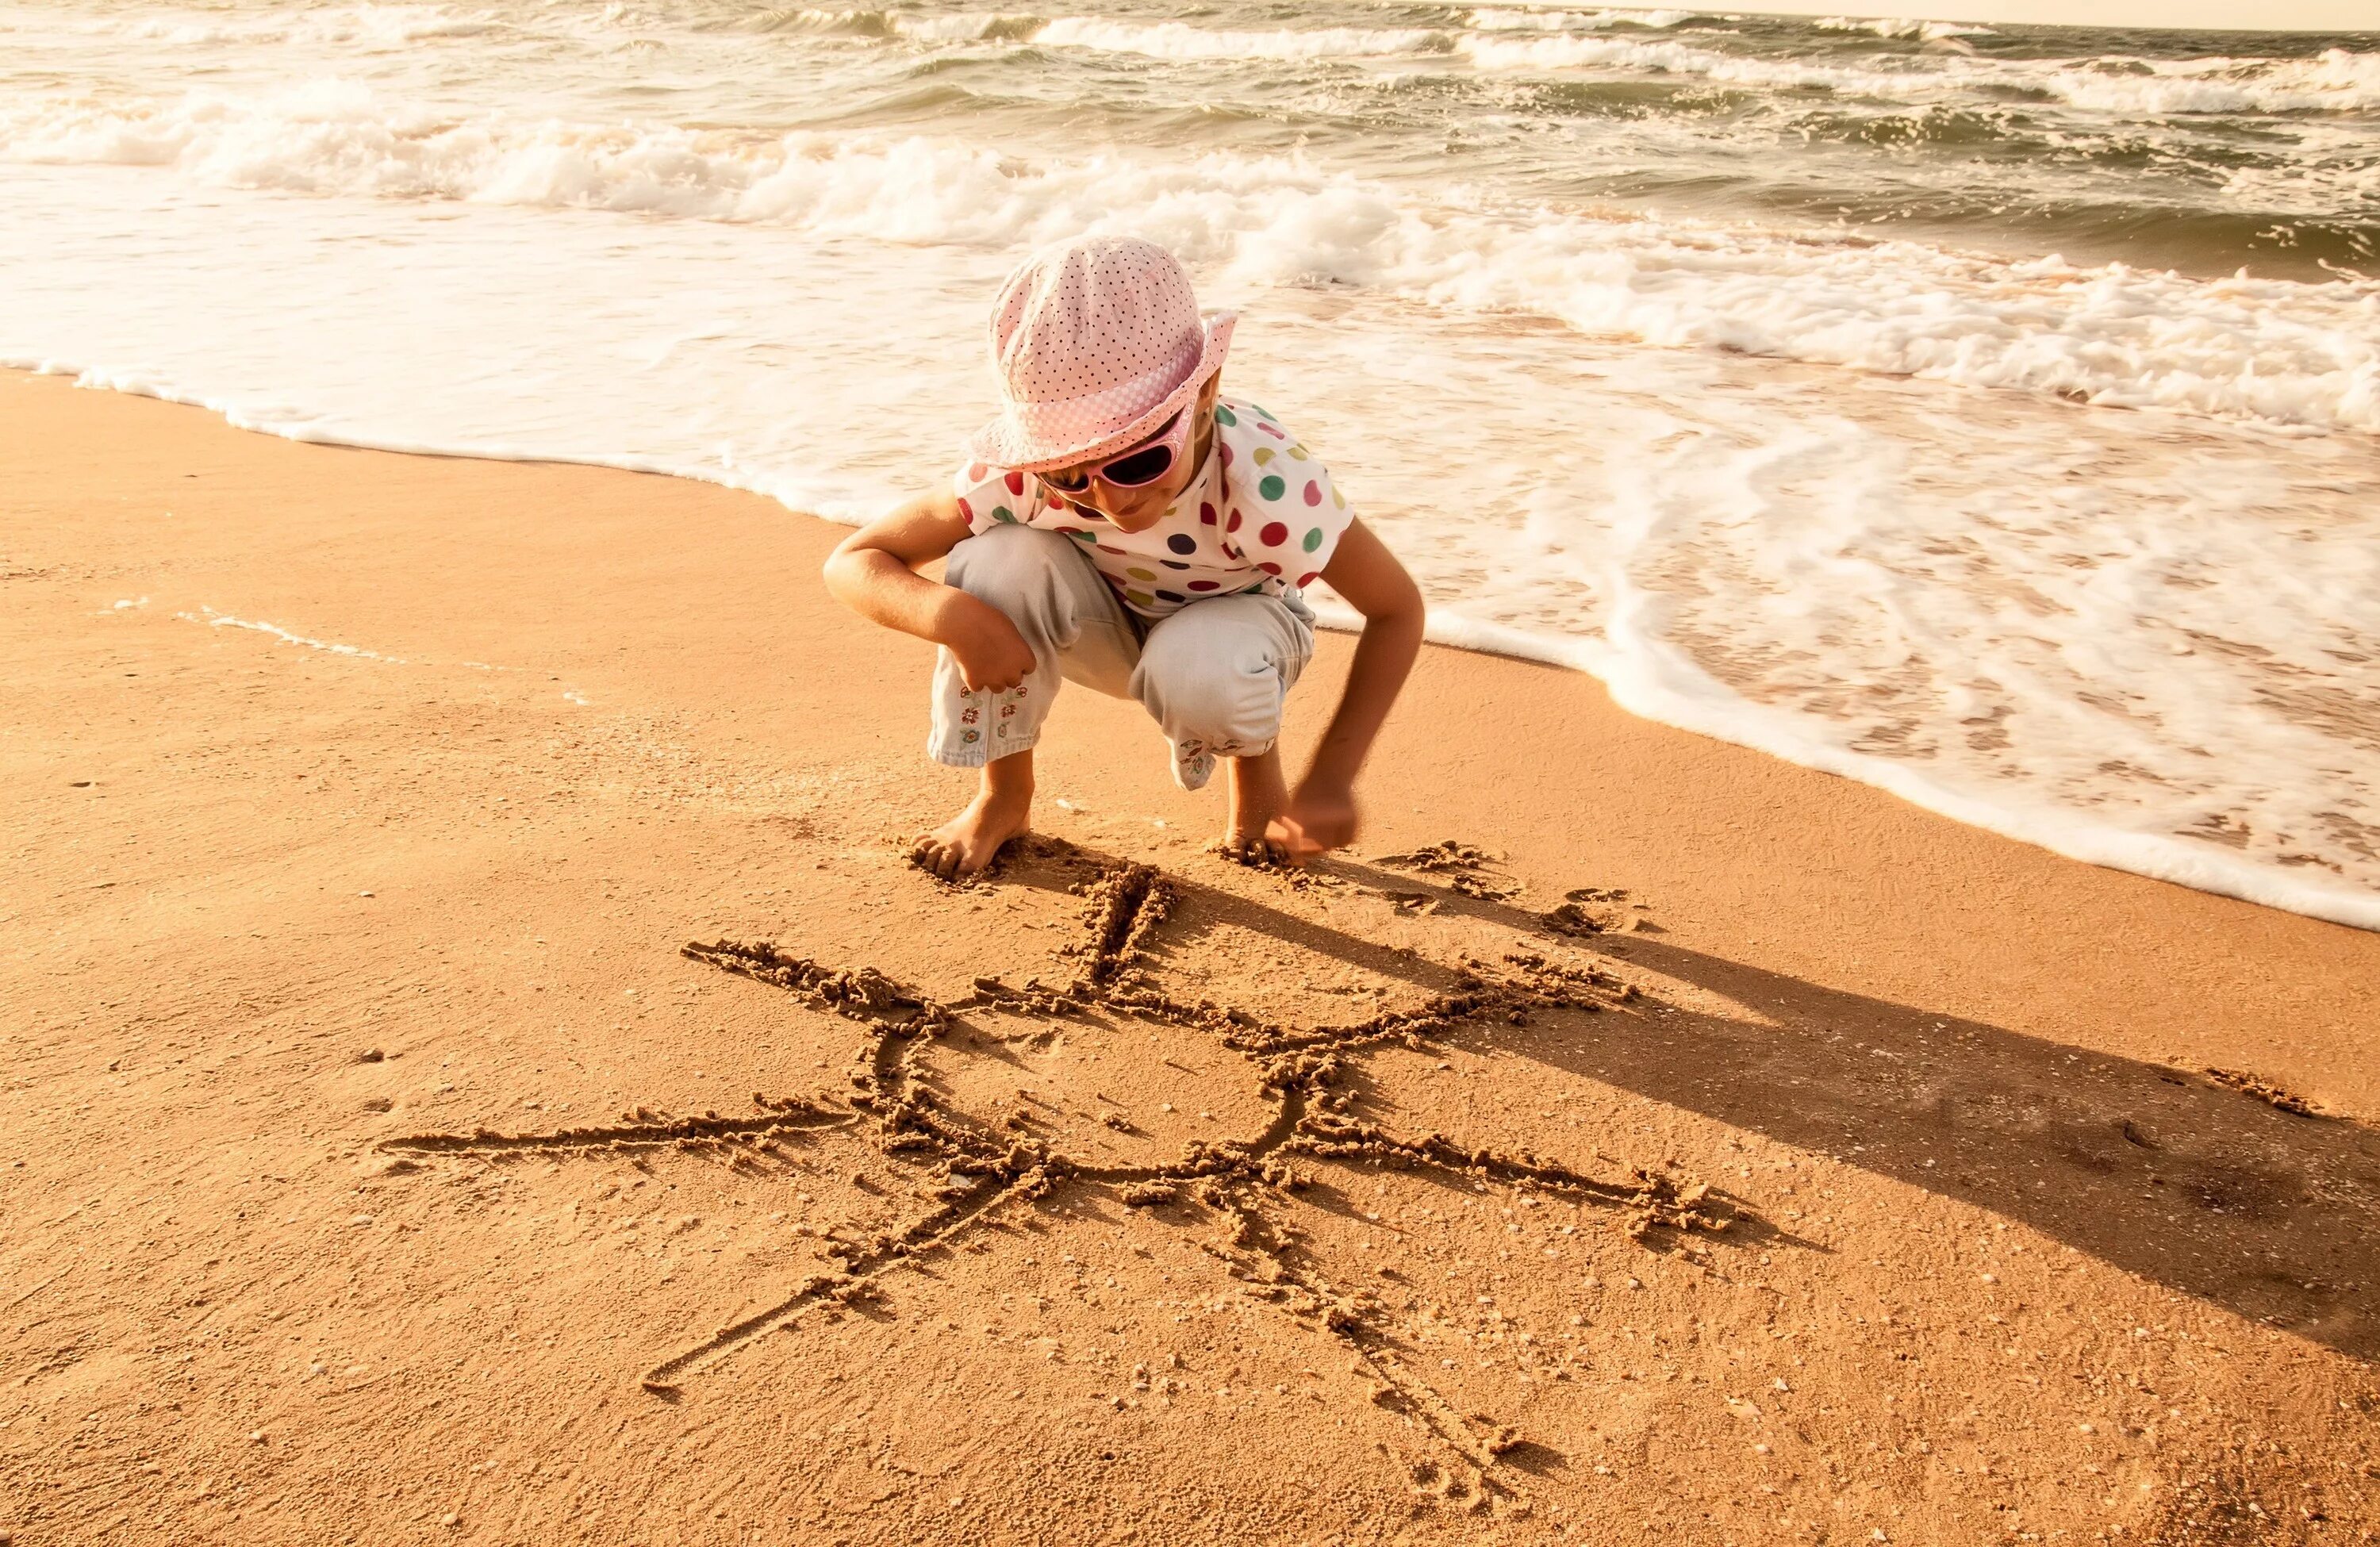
x=1097, y=342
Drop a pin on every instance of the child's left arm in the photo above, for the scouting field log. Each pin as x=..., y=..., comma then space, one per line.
x=1321, y=813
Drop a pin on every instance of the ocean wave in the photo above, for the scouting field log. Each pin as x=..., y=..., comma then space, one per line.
x=1570, y=52
x=1497, y=20
x=968, y=27
x=2282, y=352
x=2337, y=80
x=952, y=27
x=1174, y=40
x=1517, y=41
x=1491, y=40
x=1902, y=28
x=1504, y=40
x=1512, y=41
x=367, y=26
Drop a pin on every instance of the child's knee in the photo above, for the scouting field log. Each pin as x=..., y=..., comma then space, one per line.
x=1008, y=566
x=1224, y=694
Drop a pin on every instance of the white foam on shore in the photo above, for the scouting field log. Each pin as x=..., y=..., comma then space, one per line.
x=289, y=423
x=2282, y=352
x=1175, y=40
x=1650, y=678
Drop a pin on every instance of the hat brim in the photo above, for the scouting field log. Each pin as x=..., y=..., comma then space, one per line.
x=1004, y=444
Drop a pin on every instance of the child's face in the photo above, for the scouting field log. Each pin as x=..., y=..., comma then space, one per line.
x=1139, y=509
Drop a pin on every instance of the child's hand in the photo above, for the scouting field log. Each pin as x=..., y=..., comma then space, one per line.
x=993, y=657
x=1317, y=820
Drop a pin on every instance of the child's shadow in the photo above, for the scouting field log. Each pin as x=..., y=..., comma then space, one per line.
x=2154, y=1170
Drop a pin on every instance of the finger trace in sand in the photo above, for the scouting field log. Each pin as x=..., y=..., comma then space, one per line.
x=1236, y=1185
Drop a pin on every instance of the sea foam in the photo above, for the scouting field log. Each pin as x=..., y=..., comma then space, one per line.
x=2280, y=352
x=1174, y=40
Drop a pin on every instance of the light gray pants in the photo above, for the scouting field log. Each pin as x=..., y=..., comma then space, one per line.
x=1214, y=673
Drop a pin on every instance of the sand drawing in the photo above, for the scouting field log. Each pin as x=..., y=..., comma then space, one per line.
x=1239, y=1189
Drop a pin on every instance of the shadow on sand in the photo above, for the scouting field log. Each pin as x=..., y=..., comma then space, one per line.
x=2156, y=1170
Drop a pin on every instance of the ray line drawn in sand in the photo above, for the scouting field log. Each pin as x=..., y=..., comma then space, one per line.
x=654, y=1131
x=1301, y=1070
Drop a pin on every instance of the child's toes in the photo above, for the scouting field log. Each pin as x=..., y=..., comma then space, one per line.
x=1246, y=851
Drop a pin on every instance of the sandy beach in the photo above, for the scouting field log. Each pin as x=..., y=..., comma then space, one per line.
x=376, y=1166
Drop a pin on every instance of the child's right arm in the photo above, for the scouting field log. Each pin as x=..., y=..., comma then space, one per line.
x=874, y=572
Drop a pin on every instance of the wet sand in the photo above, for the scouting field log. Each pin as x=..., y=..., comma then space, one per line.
x=378, y=1165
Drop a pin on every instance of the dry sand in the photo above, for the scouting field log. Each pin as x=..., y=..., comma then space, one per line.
x=376, y=1168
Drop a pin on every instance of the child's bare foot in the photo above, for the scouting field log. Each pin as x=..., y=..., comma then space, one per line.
x=1002, y=810
x=1258, y=796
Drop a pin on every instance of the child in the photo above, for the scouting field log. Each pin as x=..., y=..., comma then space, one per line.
x=1123, y=526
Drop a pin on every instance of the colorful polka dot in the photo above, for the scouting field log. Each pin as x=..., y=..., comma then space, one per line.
x=1140, y=568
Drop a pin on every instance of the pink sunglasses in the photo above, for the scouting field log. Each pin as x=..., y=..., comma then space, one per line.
x=1135, y=469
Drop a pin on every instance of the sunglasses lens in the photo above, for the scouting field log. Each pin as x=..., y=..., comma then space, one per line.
x=1142, y=467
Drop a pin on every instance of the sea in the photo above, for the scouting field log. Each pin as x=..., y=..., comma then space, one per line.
x=1987, y=413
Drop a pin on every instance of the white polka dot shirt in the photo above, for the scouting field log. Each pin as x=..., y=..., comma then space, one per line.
x=1262, y=516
